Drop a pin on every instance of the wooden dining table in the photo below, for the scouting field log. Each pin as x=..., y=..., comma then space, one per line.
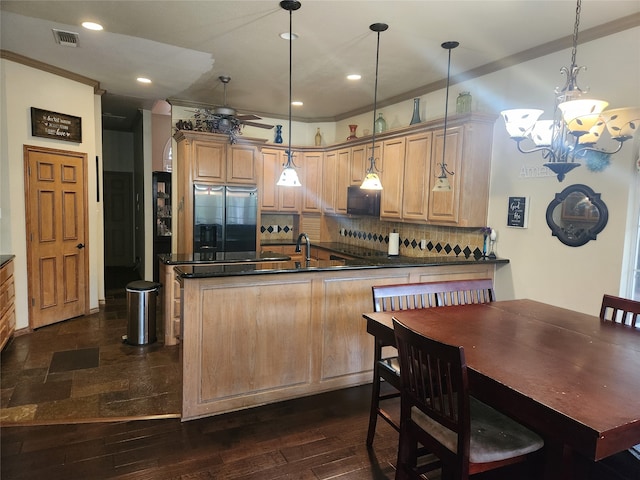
x=567, y=375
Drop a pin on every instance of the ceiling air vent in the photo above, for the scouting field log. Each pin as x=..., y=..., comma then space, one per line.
x=66, y=39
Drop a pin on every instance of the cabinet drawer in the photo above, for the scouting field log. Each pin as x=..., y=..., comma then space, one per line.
x=6, y=272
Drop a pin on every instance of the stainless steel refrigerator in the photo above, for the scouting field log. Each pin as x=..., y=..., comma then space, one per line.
x=225, y=218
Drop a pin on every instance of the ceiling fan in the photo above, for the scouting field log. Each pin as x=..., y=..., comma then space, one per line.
x=224, y=119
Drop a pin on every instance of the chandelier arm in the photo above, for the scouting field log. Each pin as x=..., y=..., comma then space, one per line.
x=547, y=151
x=592, y=149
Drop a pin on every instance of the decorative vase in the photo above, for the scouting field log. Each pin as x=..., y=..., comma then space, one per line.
x=278, y=134
x=463, y=103
x=380, y=124
x=416, y=112
x=352, y=132
x=318, y=138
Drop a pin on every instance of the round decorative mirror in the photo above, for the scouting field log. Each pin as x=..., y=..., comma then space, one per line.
x=576, y=215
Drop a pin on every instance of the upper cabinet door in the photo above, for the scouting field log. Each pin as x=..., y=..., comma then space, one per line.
x=242, y=164
x=312, y=182
x=444, y=205
x=417, y=173
x=392, y=167
x=209, y=161
x=330, y=176
x=343, y=169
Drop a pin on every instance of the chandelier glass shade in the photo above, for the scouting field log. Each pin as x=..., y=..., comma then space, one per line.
x=577, y=126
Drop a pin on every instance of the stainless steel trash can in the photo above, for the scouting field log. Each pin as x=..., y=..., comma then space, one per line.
x=141, y=312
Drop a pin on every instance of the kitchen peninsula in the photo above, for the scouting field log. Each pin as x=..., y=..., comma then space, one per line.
x=260, y=332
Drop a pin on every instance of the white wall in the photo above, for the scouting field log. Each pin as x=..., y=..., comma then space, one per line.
x=22, y=88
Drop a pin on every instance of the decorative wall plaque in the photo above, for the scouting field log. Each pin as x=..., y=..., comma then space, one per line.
x=518, y=212
x=56, y=125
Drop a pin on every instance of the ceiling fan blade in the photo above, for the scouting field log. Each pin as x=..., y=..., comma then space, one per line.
x=259, y=125
x=248, y=117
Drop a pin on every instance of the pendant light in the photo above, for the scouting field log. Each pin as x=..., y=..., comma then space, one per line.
x=289, y=177
x=442, y=183
x=371, y=179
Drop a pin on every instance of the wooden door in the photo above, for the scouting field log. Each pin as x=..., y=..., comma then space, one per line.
x=118, y=219
x=56, y=217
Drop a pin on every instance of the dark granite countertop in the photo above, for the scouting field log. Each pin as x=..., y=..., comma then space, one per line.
x=221, y=257
x=247, y=268
x=6, y=259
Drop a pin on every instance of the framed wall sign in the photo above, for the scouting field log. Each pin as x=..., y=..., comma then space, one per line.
x=518, y=212
x=56, y=125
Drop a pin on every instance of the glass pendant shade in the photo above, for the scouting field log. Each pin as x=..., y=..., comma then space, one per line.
x=594, y=133
x=581, y=115
x=371, y=182
x=289, y=178
x=520, y=121
x=442, y=184
x=622, y=123
x=542, y=132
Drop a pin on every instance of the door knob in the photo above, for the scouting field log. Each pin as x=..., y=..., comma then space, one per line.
x=80, y=246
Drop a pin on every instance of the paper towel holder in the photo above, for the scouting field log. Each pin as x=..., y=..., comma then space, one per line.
x=394, y=244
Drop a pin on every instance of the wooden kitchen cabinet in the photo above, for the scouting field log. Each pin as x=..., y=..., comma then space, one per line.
x=359, y=163
x=311, y=180
x=209, y=158
x=468, y=156
x=7, y=303
x=417, y=173
x=272, y=197
x=391, y=164
x=242, y=164
x=336, y=179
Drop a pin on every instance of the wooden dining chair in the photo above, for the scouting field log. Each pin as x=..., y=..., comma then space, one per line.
x=404, y=297
x=438, y=413
x=620, y=310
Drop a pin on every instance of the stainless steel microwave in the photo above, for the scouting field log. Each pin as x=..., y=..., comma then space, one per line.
x=363, y=202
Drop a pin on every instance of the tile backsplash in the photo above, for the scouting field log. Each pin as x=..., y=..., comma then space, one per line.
x=369, y=232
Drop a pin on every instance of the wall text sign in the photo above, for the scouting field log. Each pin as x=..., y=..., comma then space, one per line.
x=56, y=125
x=518, y=209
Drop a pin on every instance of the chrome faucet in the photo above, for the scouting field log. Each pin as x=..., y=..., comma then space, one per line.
x=308, y=246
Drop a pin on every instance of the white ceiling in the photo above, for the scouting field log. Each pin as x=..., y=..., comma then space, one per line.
x=185, y=45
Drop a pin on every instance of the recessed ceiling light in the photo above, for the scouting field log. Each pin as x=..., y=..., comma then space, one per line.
x=286, y=36
x=92, y=26
x=143, y=80
x=297, y=103
x=354, y=76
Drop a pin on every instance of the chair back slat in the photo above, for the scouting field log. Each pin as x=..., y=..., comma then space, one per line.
x=435, y=380
x=432, y=294
x=620, y=310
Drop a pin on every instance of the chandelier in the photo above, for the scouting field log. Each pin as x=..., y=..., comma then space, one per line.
x=577, y=124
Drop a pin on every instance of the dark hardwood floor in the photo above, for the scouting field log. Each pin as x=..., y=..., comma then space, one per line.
x=64, y=417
